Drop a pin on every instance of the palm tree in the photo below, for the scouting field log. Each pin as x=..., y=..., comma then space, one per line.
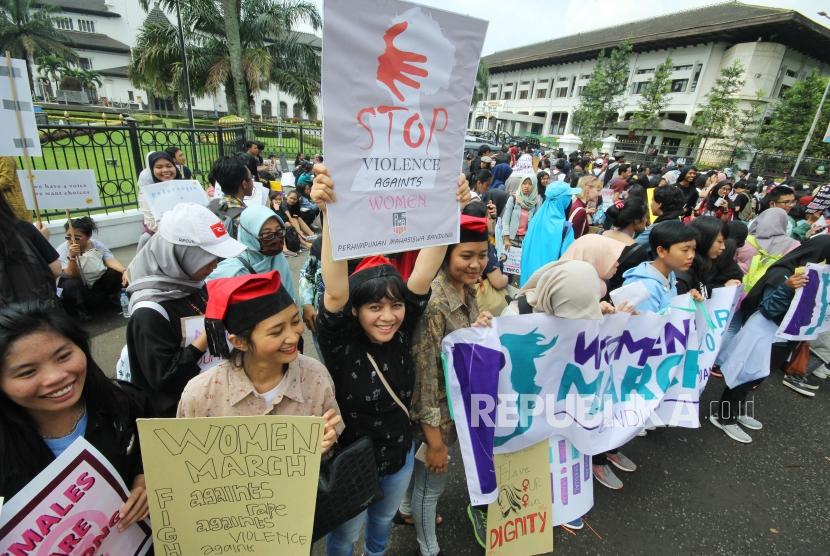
x=27, y=32
x=50, y=66
x=90, y=81
x=268, y=52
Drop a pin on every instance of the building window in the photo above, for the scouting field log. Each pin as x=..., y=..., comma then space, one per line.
x=791, y=73
x=696, y=77
x=558, y=121
x=585, y=76
x=64, y=23
x=84, y=63
x=579, y=91
x=644, y=71
x=640, y=86
x=493, y=96
x=669, y=145
x=506, y=95
x=561, y=92
x=86, y=25
x=682, y=68
x=522, y=95
x=131, y=96
x=784, y=89
x=562, y=79
x=679, y=85
x=541, y=93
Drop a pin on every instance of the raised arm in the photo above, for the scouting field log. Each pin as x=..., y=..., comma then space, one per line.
x=335, y=273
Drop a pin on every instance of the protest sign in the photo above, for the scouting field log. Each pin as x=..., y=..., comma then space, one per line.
x=397, y=80
x=513, y=263
x=225, y=485
x=809, y=312
x=61, y=189
x=259, y=195
x=572, y=481
x=821, y=200
x=192, y=328
x=596, y=383
x=163, y=196
x=519, y=521
x=71, y=507
x=17, y=117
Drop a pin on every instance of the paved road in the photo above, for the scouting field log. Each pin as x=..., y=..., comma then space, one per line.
x=696, y=492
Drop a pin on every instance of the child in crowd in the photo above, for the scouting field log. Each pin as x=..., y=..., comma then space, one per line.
x=365, y=327
x=674, y=244
x=166, y=287
x=91, y=276
x=264, y=373
x=52, y=393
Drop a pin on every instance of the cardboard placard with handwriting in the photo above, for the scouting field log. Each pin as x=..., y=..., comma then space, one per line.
x=519, y=521
x=232, y=485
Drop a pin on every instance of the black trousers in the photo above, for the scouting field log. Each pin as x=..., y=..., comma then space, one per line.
x=733, y=400
x=77, y=297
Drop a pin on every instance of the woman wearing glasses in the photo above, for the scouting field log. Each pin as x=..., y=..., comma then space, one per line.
x=263, y=233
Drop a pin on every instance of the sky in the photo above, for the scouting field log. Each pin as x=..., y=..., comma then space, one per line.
x=521, y=22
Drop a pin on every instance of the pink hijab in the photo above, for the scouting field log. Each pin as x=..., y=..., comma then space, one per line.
x=599, y=251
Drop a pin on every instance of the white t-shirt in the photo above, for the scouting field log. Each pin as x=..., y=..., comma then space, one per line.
x=63, y=251
x=274, y=392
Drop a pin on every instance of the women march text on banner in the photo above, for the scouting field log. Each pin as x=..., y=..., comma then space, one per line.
x=397, y=81
x=809, y=312
x=72, y=507
x=596, y=383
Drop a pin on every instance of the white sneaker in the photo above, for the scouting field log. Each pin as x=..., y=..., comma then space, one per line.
x=750, y=422
x=732, y=430
x=821, y=372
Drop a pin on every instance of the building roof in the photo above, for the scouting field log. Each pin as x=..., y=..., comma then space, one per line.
x=662, y=125
x=120, y=71
x=156, y=15
x=91, y=7
x=731, y=22
x=93, y=41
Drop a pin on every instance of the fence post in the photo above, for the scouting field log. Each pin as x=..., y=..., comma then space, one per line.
x=220, y=141
x=302, y=145
x=135, y=147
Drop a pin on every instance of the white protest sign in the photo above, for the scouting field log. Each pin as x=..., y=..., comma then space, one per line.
x=164, y=195
x=61, y=189
x=71, y=507
x=192, y=328
x=12, y=141
x=259, y=195
x=634, y=293
x=513, y=263
x=397, y=80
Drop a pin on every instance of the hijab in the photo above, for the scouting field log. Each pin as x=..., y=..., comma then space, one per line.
x=146, y=176
x=251, y=222
x=599, y=251
x=549, y=233
x=161, y=271
x=814, y=250
x=770, y=231
x=530, y=200
x=501, y=172
x=566, y=289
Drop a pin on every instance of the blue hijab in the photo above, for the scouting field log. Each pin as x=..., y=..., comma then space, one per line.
x=501, y=172
x=251, y=221
x=549, y=234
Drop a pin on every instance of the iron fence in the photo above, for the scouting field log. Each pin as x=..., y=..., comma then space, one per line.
x=289, y=139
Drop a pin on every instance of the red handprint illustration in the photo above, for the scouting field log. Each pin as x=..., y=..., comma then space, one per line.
x=394, y=64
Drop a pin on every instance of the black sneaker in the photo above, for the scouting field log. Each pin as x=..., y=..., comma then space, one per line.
x=797, y=384
x=478, y=518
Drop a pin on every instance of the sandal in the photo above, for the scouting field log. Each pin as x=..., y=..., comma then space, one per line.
x=402, y=519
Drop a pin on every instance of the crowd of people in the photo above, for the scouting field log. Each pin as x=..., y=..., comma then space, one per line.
x=586, y=225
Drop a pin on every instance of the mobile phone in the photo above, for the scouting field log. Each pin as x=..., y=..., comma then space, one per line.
x=421, y=453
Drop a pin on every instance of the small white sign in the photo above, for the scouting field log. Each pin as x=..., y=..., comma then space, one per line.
x=259, y=196
x=192, y=328
x=513, y=263
x=635, y=293
x=164, y=195
x=61, y=189
x=13, y=139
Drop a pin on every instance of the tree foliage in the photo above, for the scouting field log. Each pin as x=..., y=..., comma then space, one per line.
x=719, y=112
x=655, y=98
x=747, y=124
x=601, y=99
x=482, y=84
x=791, y=118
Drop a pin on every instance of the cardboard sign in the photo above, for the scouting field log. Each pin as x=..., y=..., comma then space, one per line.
x=72, y=507
x=519, y=521
x=397, y=80
x=513, y=263
x=17, y=139
x=163, y=196
x=232, y=485
x=821, y=200
x=61, y=189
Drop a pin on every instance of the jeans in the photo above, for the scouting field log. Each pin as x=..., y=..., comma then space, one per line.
x=421, y=502
x=377, y=517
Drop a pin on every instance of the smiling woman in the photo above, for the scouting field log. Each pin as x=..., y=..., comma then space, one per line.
x=51, y=393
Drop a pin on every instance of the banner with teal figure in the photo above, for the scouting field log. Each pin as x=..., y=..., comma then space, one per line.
x=809, y=312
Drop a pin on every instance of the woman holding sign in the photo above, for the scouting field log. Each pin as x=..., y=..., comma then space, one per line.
x=160, y=167
x=52, y=393
x=364, y=329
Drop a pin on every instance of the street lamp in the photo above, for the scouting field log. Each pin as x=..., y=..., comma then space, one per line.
x=815, y=119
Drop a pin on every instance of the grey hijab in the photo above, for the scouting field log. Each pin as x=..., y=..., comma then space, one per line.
x=770, y=231
x=161, y=271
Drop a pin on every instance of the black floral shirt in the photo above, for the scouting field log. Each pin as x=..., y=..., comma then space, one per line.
x=365, y=405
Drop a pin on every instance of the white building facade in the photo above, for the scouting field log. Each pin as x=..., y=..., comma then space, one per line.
x=536, y=89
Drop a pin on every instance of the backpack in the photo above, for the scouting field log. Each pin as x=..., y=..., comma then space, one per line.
x=759, y=264
x=24, y=275
x=122, y=366
x=750, y=208
x=292, y=239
